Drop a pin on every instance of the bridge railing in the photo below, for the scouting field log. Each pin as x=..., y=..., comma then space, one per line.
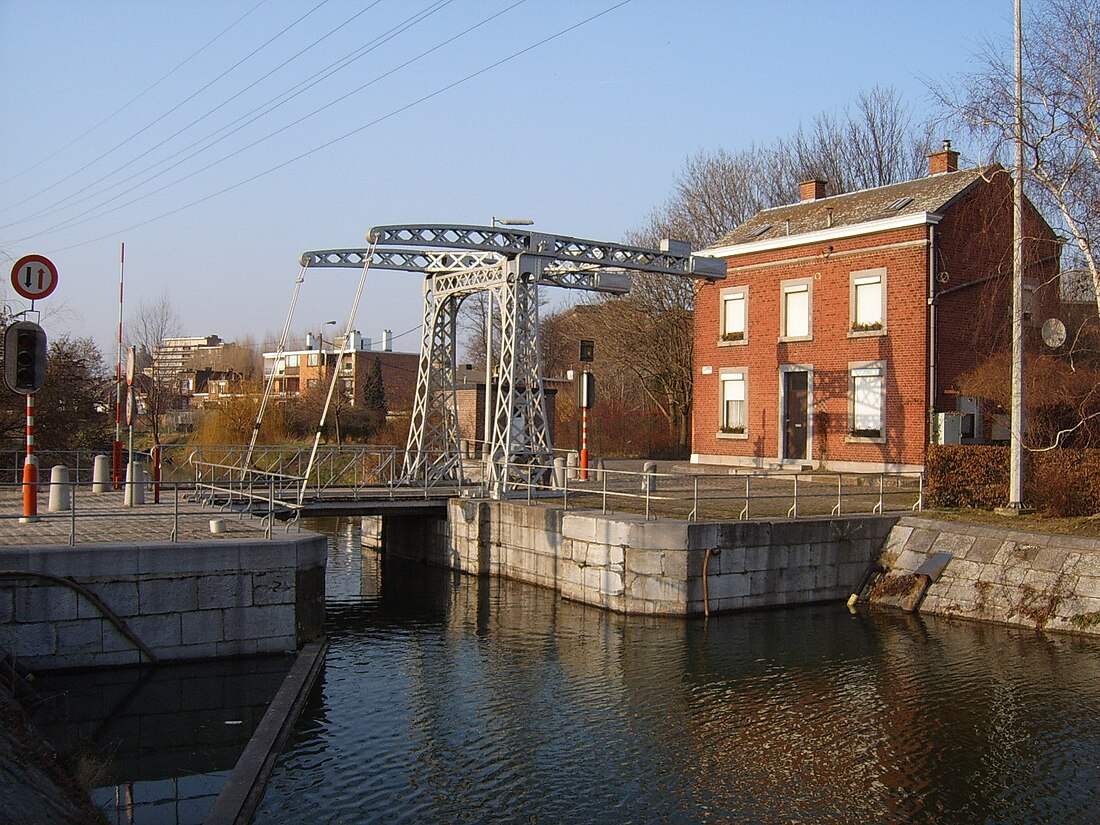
x=351, y=471
x=709, y=496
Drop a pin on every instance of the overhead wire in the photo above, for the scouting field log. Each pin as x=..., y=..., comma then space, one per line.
x=132, y=100
x=68, y=200
x=232, y=127
x=75, y=220
x=382, y=118
x=176, y=107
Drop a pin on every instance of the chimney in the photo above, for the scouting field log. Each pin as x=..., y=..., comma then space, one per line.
x=946, y=160
x=811, y=190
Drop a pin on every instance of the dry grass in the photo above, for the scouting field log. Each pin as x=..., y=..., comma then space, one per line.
x=1085, y=526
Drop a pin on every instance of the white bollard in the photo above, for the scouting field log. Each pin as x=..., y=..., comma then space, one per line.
x=101, y=474
x=59, y=489
x=135, y=487
x=597, y=474
x=649, y=483
x=559, y=473
x=572, y=463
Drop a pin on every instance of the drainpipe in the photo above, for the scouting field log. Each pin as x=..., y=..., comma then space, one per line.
x=931, y=332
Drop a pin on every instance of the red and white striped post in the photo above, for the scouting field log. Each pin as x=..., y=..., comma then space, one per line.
x=584, y=443
x=30, y=469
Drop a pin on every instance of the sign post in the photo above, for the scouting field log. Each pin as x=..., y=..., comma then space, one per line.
x=587, y=355
x=33, y=277
x=128, y=497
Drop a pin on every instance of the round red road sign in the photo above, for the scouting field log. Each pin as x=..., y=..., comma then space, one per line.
x=34, y=276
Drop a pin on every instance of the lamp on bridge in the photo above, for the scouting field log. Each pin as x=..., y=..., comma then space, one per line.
x=512, y=222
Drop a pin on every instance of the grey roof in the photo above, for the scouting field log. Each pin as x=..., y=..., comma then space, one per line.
x=933, y=194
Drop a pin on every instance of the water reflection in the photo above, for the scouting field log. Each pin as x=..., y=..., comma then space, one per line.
x=164, y=740
x=447, y=698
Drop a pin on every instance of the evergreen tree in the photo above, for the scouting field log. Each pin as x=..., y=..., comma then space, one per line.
x=374, y=392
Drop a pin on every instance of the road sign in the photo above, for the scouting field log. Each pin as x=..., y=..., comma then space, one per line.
x=34, y=276
x=131, y=357
x=129, y=406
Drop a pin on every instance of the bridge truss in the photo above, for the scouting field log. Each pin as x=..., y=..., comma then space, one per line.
x=509, y=265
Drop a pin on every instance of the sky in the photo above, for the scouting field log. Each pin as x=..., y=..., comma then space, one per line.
x=219, y=139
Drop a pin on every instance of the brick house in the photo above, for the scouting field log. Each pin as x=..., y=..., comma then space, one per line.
x=300, y=371
x=844, y=322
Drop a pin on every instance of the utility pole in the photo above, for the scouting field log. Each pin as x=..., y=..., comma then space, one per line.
x=1016, y=441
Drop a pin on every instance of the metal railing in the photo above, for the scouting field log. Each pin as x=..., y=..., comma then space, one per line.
x=188, y=505
x=698, y=497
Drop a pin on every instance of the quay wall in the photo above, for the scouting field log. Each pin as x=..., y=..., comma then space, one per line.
x=626, y=564
x=1031, y=579
x=183, y=600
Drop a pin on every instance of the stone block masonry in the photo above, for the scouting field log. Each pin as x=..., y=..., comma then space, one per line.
x=184, y=600
x=626, y=564
x=1039, y=580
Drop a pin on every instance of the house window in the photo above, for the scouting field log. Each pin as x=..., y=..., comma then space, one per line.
x=865, y=406
x=732, y=417
x=292, y=360
x=347, y=363
x=867, y=301
x=311, y=383
x=795, y=323
x=734, y=317
x=313, y=359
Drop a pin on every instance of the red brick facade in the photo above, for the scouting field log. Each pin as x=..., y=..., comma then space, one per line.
x=970, y=242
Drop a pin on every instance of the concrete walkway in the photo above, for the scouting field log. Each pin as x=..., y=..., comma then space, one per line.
x=103, y=518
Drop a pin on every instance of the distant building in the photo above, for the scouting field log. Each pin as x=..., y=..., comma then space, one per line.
x=299, y=371
x=173, y=355
x=844, y=323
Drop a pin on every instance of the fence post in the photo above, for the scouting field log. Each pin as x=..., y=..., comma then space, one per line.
x=694, y=515
x=176, y=514
x=793, y=512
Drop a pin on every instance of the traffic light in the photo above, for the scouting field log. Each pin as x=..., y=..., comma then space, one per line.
x=25, y=357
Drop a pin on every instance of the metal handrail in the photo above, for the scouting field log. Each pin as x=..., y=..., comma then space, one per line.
x=696, y=496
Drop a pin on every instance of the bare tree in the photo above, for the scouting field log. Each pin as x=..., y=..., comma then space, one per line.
x=155, y=322
x=1061, y=118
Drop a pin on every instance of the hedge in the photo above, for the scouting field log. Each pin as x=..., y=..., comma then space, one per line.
x=1056, y=482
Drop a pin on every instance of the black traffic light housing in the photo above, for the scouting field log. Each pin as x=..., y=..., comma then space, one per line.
x=25, y=357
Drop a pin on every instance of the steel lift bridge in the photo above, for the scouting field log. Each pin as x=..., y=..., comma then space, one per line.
x=510, y=265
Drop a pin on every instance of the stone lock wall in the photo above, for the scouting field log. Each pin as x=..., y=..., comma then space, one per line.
x=1039, y=580
x=626, y=564
x=185, y=600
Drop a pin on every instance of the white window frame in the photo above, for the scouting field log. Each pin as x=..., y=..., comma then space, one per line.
x=732, y=376
x=726, y=336
x=861, y=373
x=313, y=359
x=860, y=328
x=292, y=361
x=796, y=286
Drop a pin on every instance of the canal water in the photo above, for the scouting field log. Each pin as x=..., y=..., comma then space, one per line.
x=446, y=698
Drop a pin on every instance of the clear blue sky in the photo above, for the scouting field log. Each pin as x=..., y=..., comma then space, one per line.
x=585, y=133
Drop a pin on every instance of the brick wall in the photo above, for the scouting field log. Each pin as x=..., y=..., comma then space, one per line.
x=903, y=253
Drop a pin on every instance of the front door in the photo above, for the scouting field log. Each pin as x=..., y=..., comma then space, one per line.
x=795, y=414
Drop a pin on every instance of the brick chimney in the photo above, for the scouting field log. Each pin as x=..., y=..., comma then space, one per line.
x=811, y=190
x=945, y=160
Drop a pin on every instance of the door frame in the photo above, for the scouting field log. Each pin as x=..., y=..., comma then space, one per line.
x=782, y=419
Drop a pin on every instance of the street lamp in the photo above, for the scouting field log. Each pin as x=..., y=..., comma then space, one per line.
x=512, y=222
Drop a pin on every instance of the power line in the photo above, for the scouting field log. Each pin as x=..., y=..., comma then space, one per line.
x=234, y=126
x=186, y=100
x=68, y=199
x=73, y=221
x=447, y=87
x=132, y=100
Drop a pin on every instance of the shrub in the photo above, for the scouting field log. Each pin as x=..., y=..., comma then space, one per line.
x=1061, y=482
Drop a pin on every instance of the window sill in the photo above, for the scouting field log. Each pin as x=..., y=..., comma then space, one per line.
x=862, y=439
x=867, y=333
x=739, y=343
x=786, y=340
x=732, y=436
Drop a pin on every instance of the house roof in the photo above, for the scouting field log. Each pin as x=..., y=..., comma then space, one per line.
x=930, y=195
